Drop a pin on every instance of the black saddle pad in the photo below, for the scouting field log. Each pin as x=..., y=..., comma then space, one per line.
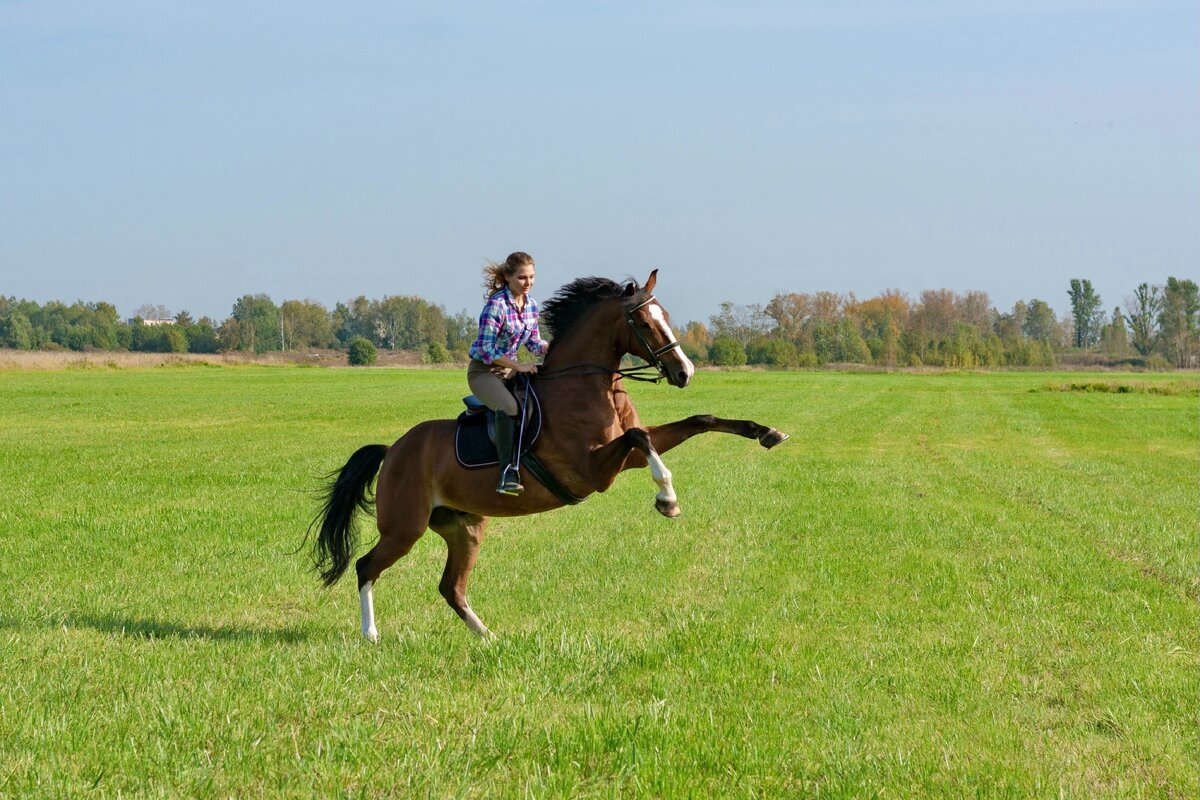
x=474, y=442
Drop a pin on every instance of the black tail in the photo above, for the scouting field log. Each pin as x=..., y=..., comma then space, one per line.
x=350, y=489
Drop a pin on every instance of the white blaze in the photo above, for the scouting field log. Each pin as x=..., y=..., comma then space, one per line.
x=656, y=314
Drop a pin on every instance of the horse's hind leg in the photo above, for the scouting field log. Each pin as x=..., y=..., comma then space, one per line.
x=398, y=532
x=463, y=534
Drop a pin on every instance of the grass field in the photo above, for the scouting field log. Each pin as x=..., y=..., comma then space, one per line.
x=951, y=585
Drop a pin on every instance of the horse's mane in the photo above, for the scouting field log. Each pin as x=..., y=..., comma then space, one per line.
x=570, y=303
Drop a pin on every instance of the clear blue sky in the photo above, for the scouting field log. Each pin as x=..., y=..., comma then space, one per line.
x=185, y=154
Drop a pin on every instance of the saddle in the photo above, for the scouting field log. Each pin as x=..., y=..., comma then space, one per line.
x=475, y=440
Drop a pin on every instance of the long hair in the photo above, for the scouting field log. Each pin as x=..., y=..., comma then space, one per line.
x=495, y=276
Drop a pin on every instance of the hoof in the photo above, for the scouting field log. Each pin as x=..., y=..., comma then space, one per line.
x=668, y=508
x=371, y=636
x=772, y=438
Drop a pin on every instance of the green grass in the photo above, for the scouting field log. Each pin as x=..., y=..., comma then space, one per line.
x=943, y=585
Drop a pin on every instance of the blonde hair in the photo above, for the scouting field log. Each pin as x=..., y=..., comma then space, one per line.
x=495, y=276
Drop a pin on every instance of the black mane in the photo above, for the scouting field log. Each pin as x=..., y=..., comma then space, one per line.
x=569, y=304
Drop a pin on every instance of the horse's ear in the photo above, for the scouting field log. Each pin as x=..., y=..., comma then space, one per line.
x=649, y=287
x=630, y=289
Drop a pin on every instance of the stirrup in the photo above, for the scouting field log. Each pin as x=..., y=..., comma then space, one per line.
x=510, y=483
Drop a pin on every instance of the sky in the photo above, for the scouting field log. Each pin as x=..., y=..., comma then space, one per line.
x=185, y=154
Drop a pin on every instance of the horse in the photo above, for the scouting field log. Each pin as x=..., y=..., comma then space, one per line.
x=590, y=433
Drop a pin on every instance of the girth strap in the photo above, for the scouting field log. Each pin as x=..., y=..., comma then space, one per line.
x=536, y=468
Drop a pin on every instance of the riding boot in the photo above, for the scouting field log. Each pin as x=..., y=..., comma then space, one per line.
x=506, y=444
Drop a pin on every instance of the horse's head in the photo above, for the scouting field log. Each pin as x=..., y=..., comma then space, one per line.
x=652, y=338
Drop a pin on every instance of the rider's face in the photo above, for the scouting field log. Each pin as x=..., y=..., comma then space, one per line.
x=521, y=281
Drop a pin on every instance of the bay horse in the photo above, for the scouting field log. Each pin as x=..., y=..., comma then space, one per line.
x=590, y=433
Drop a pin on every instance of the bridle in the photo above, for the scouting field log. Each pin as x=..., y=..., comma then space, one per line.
x=651, y=372
x=655, y=359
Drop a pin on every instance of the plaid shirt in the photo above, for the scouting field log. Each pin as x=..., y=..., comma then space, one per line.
x=503, y=329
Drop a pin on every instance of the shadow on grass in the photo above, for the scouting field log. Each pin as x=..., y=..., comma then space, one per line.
x=140, y=628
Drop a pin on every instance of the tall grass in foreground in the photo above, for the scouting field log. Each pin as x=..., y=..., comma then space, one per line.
x=944, y=585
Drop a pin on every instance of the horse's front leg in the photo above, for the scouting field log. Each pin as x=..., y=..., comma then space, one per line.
x=665, y=502
x=633, y=450
x=664, y=437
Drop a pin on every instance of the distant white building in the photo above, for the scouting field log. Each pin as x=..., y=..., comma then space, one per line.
x=151, y=321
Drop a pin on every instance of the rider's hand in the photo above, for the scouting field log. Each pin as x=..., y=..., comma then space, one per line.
x=528, y=368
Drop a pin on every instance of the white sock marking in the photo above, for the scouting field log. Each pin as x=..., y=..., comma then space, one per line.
x=366, y=601
x=661, y=476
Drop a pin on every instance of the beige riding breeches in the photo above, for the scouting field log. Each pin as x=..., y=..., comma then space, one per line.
x=487, y=383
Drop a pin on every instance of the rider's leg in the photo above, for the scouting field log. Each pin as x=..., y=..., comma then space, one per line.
x=506, y=451
x=487, y=383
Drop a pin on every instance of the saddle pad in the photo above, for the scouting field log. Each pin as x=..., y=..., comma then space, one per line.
x=473, y=445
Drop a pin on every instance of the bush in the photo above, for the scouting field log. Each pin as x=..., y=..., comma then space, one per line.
x=1158, y=363
x=772, y=352
x=727, y=352
x=435, y=353
x=362, y=352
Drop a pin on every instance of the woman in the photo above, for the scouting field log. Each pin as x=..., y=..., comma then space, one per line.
x=509, y=320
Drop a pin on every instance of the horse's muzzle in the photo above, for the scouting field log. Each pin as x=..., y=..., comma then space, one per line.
x=679, y=374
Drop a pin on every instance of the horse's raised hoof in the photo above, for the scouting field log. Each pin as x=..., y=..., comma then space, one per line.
x=772, y=438
x=668, y=508
x=371, y=636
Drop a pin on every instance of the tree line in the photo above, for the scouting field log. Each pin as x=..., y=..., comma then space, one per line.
x=1158, y=326
x=255, y=325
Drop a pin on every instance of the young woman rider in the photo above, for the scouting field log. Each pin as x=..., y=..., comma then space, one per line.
x=508, y=321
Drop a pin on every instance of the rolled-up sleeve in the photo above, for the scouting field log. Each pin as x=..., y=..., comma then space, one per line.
x=535, y=343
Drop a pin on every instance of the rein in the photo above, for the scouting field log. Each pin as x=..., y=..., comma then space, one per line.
x=652, y=372
x=648, y=373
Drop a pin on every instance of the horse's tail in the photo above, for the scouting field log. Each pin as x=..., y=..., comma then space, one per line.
x=348, y=489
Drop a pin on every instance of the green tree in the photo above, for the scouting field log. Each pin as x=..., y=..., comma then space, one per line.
x=150, y=338
x=461, y=330
x=16, y=331
x=773, y=352
x=202, y=336
x=1114, y=337
x=1179, y=320
x=355, y=319
x=306, y=323
x=1086, y=313
x=1144, y=306
x=258, y=319
x=176, y=340
x=1040, y=323
x=231, y=337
